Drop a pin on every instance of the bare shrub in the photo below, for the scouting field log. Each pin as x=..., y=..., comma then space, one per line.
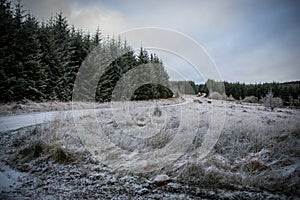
x=157, y=112
x=250, y=99
x=272, y=102
x=217, y=96
x=231, y=98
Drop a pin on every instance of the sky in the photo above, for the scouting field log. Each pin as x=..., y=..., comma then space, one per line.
x=248, y=41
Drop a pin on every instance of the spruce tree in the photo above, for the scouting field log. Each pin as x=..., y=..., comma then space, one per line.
x=41, y=61
x=7, y=30
x=33, y=73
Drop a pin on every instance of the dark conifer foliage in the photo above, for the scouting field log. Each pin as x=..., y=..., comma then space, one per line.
x=40, y=61
x=289, y=92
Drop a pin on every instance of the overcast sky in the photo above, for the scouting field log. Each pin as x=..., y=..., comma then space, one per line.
x=249, y=41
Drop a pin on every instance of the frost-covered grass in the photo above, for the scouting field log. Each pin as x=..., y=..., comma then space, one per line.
x=258, y=150
x=28, y=106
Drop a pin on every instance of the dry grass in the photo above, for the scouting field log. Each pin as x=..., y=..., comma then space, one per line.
x=248, y=156
x=30, y=106
x=257, y=148
x=47, y=142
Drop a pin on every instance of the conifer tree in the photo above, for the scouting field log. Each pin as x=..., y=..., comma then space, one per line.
x=33, y=73
x=7, y=58
x=40, y=61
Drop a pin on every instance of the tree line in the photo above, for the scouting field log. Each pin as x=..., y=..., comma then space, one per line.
x=40, y=60
x=289, y=92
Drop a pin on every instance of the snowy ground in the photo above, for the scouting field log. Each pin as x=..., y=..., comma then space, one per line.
x=197, y=149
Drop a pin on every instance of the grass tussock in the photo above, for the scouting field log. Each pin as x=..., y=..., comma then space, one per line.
x=249, y=157
x=47, y=142
x=59, y=155
x=32, y=151
x=42, y=152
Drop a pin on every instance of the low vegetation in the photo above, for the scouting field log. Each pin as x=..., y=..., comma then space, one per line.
x=43, y=144
x=287, y=91
x=250, y=99
x=217, y=96
x=263, y=156
x=257, y=152
x=271, y=102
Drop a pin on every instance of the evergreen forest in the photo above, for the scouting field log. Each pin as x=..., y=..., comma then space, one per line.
x=40, y=60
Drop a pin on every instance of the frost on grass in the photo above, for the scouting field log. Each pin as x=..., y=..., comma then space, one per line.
x=52, y=142
x=252, y=152
x=257, y=151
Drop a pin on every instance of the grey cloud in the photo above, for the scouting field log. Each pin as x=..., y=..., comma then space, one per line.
x=249, y=40
x=44, y=9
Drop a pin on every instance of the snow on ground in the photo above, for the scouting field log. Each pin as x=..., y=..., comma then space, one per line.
x=10, y=179
x=207, y=148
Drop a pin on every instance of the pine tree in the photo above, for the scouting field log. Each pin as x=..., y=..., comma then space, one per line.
x=97, y=38
x=153, y=76
x=33, y=74
x=7, y=30
x=143, y=57
x=41, y=61
x=123, y=60
x=56, y=45
x=17, y=82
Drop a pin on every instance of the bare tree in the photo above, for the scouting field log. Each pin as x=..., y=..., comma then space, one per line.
x=271, y=102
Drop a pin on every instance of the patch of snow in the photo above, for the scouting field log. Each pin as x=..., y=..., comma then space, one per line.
x=9, y=178
x=161, y=179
